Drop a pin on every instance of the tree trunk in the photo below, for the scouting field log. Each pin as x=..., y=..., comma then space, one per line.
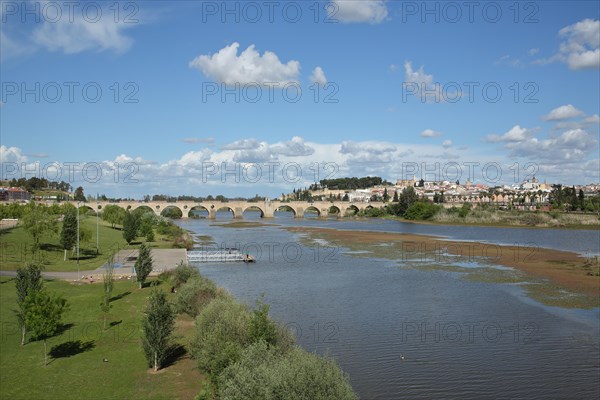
x=65, y=258
x=104, y=325
x=141, y=283
x=155, y=361
x=45, y=354
x=23, y=332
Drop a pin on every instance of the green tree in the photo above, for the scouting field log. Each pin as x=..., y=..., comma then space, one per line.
x=27, y=281
x=581, y=199
x=421, y=210
x=261, y=327
x=143, y=264
x=150, y=235
x=407, y=198
x=85, y=234
x=157, y=325
x=108, y=283
x=146, y=222
x=43, y=315
x=78, y=195
x=395, y=199
x=113, y=214
x=68, y=233
x=386, y=196
x=129, y=227
x=38, y=223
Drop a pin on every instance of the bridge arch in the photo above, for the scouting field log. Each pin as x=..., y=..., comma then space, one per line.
x=352, y=210
x=172, y=211
x=334, y=210
x=312, y=209
x=194, y=211
x=86, y=208
x=144, y=207
x=286, y=208
x=225, y=208
x=255, y=208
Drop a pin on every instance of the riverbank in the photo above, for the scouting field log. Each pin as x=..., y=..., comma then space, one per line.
x=560, y=269
x=510, y=219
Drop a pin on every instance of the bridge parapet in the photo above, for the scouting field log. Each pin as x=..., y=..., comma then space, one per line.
x=237, y=208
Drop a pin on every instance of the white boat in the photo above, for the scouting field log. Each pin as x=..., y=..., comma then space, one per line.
x=218, y=256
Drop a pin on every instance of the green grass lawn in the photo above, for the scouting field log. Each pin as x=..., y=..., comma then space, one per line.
x=16, y=245
x=77, y=370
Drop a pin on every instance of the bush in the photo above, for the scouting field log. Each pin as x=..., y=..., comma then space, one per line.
x=464, y=210
x=182, y=274
x=263, y=372
x=221, y=334
x=373, y=212
x=421, y=211
x=194, y=295
x=263, y=329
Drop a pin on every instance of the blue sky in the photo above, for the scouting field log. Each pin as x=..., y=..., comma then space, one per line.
x=374, y=61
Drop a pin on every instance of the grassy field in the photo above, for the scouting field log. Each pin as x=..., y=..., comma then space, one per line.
x=77, y=370
x=17, y=244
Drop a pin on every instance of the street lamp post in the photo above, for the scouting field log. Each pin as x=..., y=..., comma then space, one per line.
x=78, y=272
x=97, y=237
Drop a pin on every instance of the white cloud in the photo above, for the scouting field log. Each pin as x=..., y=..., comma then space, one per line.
x=370, y=11
x=419, y=76
x=12, y=48
x=533, y=52
x=592, y=119
x=193, y=140
x=37, y=155
x=582, y=45
x=293, y=148
x=195, y=158
x=428, y=133
x=515, y=134
x=563, y=112
x=580, y=48
x=226, y=66
x=318, y=77
x=508, y=60
x=569, y=157
x=253, y=151
x=369, y=151
x=420, y=83
x=244, y=144
x=571, y=146
x=11, y=155
x=81, y=35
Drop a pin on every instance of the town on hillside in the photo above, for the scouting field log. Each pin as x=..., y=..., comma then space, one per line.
x=531, y=194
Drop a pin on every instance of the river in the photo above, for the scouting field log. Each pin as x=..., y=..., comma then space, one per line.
x=410, y=333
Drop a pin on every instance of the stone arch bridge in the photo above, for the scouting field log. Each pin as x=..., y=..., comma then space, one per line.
x=237, y=208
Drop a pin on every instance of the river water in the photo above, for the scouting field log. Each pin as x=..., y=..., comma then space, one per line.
x=405, y=333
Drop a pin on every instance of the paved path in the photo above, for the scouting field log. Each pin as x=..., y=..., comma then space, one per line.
x=163, y=260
